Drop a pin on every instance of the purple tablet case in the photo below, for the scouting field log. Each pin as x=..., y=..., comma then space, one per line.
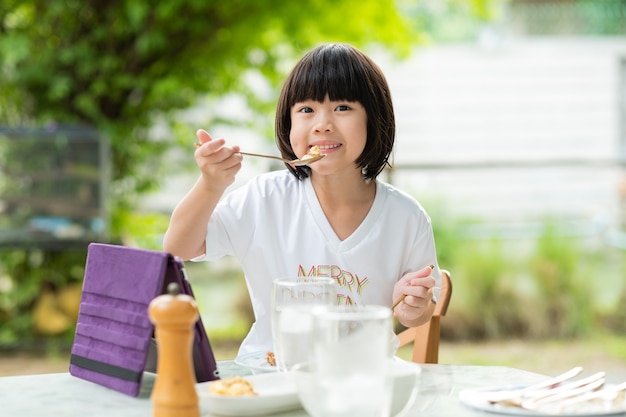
x=114, y=340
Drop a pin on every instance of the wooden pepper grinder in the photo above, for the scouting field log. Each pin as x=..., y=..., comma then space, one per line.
x=174, y=393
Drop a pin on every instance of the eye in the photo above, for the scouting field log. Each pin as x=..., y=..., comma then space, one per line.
x=305, y=109
x=342, y=107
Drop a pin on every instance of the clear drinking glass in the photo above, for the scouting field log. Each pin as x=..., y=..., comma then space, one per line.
x=350, y=369
x=293, y=300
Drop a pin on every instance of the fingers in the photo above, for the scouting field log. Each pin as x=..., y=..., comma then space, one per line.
x=420, y=278
x=425, y=272
x=218, y=163
x=418, y=295
x=203, y=136
x=215, y=148
x=418, y=287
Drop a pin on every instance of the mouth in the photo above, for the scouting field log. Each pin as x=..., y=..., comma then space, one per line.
x=326, y=148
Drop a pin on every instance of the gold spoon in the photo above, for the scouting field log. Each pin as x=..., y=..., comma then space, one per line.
x=305, y=160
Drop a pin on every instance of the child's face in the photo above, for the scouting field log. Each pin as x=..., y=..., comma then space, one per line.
x=339, y=128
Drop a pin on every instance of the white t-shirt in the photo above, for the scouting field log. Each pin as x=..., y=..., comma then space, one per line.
x=275, y=226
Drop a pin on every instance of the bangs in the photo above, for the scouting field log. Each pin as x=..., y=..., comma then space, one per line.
x=329, y=71
x=343, y=73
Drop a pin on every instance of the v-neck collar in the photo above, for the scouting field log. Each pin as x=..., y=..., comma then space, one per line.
x=361, y=231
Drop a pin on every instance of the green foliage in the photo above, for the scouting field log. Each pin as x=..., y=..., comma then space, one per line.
x=617, y=322
x=489, y=289
x=539, y=288
x=575, y=17
x=116, y=65
x=144, y=230
x=557, y=267
x=119, y=65
x=525, y=288
x=447, y=20
x=24, y=276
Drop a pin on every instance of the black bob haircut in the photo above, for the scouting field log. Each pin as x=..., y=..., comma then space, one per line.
x=343, y=73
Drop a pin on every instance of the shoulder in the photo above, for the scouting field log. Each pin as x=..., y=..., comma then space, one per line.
x=275, y=181
x=401, y=201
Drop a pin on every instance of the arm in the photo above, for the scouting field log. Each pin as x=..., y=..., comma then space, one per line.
x=186, y=234
x=417, y=306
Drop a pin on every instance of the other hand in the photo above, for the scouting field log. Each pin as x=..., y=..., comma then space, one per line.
x=417, y=289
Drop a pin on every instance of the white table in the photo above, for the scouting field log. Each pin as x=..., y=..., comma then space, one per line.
x=64, y=395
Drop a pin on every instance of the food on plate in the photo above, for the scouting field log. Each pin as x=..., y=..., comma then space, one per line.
x=234, y=386
x=270, y=358
x=314, y=152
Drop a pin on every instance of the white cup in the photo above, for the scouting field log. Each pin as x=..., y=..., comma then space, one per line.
x=350, y=369
x=293, y=300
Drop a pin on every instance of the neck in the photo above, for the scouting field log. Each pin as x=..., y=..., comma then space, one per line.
x=343, y=190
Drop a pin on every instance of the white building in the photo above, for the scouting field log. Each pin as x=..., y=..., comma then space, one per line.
x=517, y=130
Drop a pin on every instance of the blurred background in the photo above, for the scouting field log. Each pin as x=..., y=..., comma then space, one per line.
x=511, y=119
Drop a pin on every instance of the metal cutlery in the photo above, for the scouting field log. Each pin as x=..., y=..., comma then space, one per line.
x=563, y=392
x=517, y=396
x=307, y=159
x=609, y=395
x=554, y=397
x=312, y=156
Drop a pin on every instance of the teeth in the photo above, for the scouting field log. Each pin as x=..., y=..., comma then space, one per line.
x=328, y=147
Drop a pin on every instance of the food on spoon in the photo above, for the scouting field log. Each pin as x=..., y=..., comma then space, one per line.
x=234, y=386
x=314, y=152
x=270, y=358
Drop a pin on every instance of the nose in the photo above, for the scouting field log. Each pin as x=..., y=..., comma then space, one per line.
x=323, y=123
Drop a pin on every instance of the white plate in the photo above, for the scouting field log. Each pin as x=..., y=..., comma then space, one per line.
x=475, y=399
x=277, y=393
x=256, y=361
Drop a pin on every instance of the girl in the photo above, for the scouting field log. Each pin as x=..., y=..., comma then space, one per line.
x=332, y=218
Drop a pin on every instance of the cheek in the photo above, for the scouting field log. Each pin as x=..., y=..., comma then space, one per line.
x=293, y=139
x=362, y=134
x=296, y=133
x=297, y=125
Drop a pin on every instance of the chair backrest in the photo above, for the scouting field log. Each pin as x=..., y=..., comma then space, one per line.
x=425, y=338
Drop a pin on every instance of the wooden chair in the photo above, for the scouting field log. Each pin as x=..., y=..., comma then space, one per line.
x=425, y=338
